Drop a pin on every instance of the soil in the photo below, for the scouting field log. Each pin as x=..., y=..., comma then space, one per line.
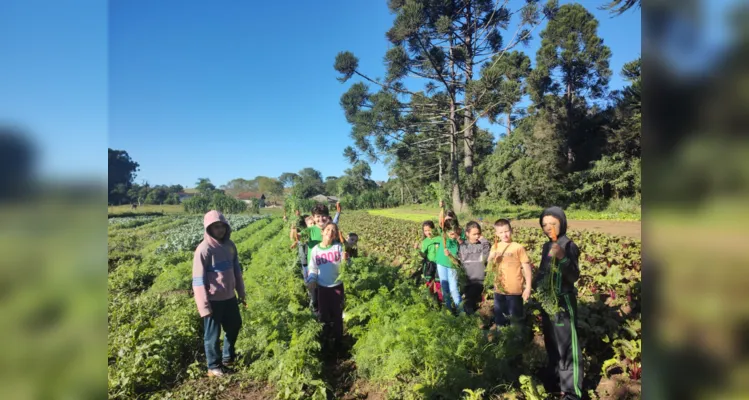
x=249, y=392
x=232, y=387
x=619, y=387
x=339, y=372
x=362, y=389
x=631, y=229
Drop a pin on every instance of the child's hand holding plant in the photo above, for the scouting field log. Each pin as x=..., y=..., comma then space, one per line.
x=556, y=251
x=527, y=293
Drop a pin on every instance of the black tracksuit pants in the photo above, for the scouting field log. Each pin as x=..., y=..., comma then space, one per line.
x=563, y=346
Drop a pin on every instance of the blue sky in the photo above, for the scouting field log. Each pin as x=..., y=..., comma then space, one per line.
x=223, y=89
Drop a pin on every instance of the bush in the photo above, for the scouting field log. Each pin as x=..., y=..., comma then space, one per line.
x=253, y=206
x=293, y=203
x=625, y=205
x=197, y=205
x=219, y=201
x=227, y=204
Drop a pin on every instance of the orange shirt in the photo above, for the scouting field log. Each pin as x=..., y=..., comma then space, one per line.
x=508, y=273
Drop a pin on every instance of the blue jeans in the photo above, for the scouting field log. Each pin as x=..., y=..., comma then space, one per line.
x=506, y=305
x=224, y=314
x=312, y=292
x=449, y=282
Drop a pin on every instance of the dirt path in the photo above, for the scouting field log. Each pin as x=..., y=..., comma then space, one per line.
x=339, y=370
x=631, y=229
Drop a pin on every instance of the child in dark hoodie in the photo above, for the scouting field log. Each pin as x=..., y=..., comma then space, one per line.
x=474, y=253
x=559, y=258
x=216, y=274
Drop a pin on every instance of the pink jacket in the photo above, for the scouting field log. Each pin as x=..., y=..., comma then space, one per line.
x=216, y=272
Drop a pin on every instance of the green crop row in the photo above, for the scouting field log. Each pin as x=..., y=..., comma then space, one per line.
x=394, y=323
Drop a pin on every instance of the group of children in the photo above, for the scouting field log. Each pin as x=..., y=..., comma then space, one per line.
x=471, y=251
x=452, y=248
x=322, y=249
x=321, y=253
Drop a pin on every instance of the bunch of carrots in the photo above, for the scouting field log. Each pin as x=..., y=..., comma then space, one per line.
x=547, y=294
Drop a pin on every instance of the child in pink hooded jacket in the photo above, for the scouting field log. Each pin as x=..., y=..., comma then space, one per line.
x=216, y=275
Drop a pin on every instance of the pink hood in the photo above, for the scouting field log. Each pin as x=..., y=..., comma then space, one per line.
x=209, y=218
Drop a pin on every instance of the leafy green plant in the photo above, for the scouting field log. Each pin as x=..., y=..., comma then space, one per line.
x=627, y=352
x=153, y=350
x=477, y=394
x=532, y=390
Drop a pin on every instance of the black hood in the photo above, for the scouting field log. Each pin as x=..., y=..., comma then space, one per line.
x=557, y=213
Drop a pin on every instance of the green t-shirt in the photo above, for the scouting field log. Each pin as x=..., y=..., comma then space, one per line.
x=430, y=246
x=315, y=237
x=452, y=247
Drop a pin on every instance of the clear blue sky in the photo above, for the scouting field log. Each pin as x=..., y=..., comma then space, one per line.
x=222, y=89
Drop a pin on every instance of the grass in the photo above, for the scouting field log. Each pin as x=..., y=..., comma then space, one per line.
x=422, y=212
x=147, y=209
x=416, y=213
x=168, y=209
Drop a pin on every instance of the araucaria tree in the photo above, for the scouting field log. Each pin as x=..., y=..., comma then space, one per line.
x=572, y=66
x=442, y=43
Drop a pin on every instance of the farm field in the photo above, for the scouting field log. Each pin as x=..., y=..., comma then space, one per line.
x=146, y=209
x=167, y=209
x=621, y=224
x=399, y=345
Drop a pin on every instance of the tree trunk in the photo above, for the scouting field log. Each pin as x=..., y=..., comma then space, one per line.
x=468, y=119
x=570, y=155
x=440, y=173
x=469, y=123
x=454, y=180
x=509, y=129
x=455, y=175
x=410, y=195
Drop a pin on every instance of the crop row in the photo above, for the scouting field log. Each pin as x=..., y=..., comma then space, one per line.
x=608, y=311
x=154, y=331
x=187, y=236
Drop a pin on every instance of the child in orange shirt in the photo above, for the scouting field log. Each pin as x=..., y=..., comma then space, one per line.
x=512, y=268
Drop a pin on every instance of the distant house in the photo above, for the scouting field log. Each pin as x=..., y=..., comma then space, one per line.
x=321, y=198
x=187, y=194
x=247, y=197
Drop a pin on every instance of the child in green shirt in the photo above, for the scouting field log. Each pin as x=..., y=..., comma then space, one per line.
x=430, y=245
x=447, y=265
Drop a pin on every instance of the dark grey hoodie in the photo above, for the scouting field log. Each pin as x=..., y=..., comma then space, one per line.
x=570, y=271
x=473, y=256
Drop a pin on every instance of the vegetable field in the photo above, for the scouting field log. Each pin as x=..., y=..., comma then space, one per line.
x=399, y=344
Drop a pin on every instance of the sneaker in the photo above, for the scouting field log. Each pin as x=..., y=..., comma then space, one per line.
x=228, y=363
x=216, y=372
